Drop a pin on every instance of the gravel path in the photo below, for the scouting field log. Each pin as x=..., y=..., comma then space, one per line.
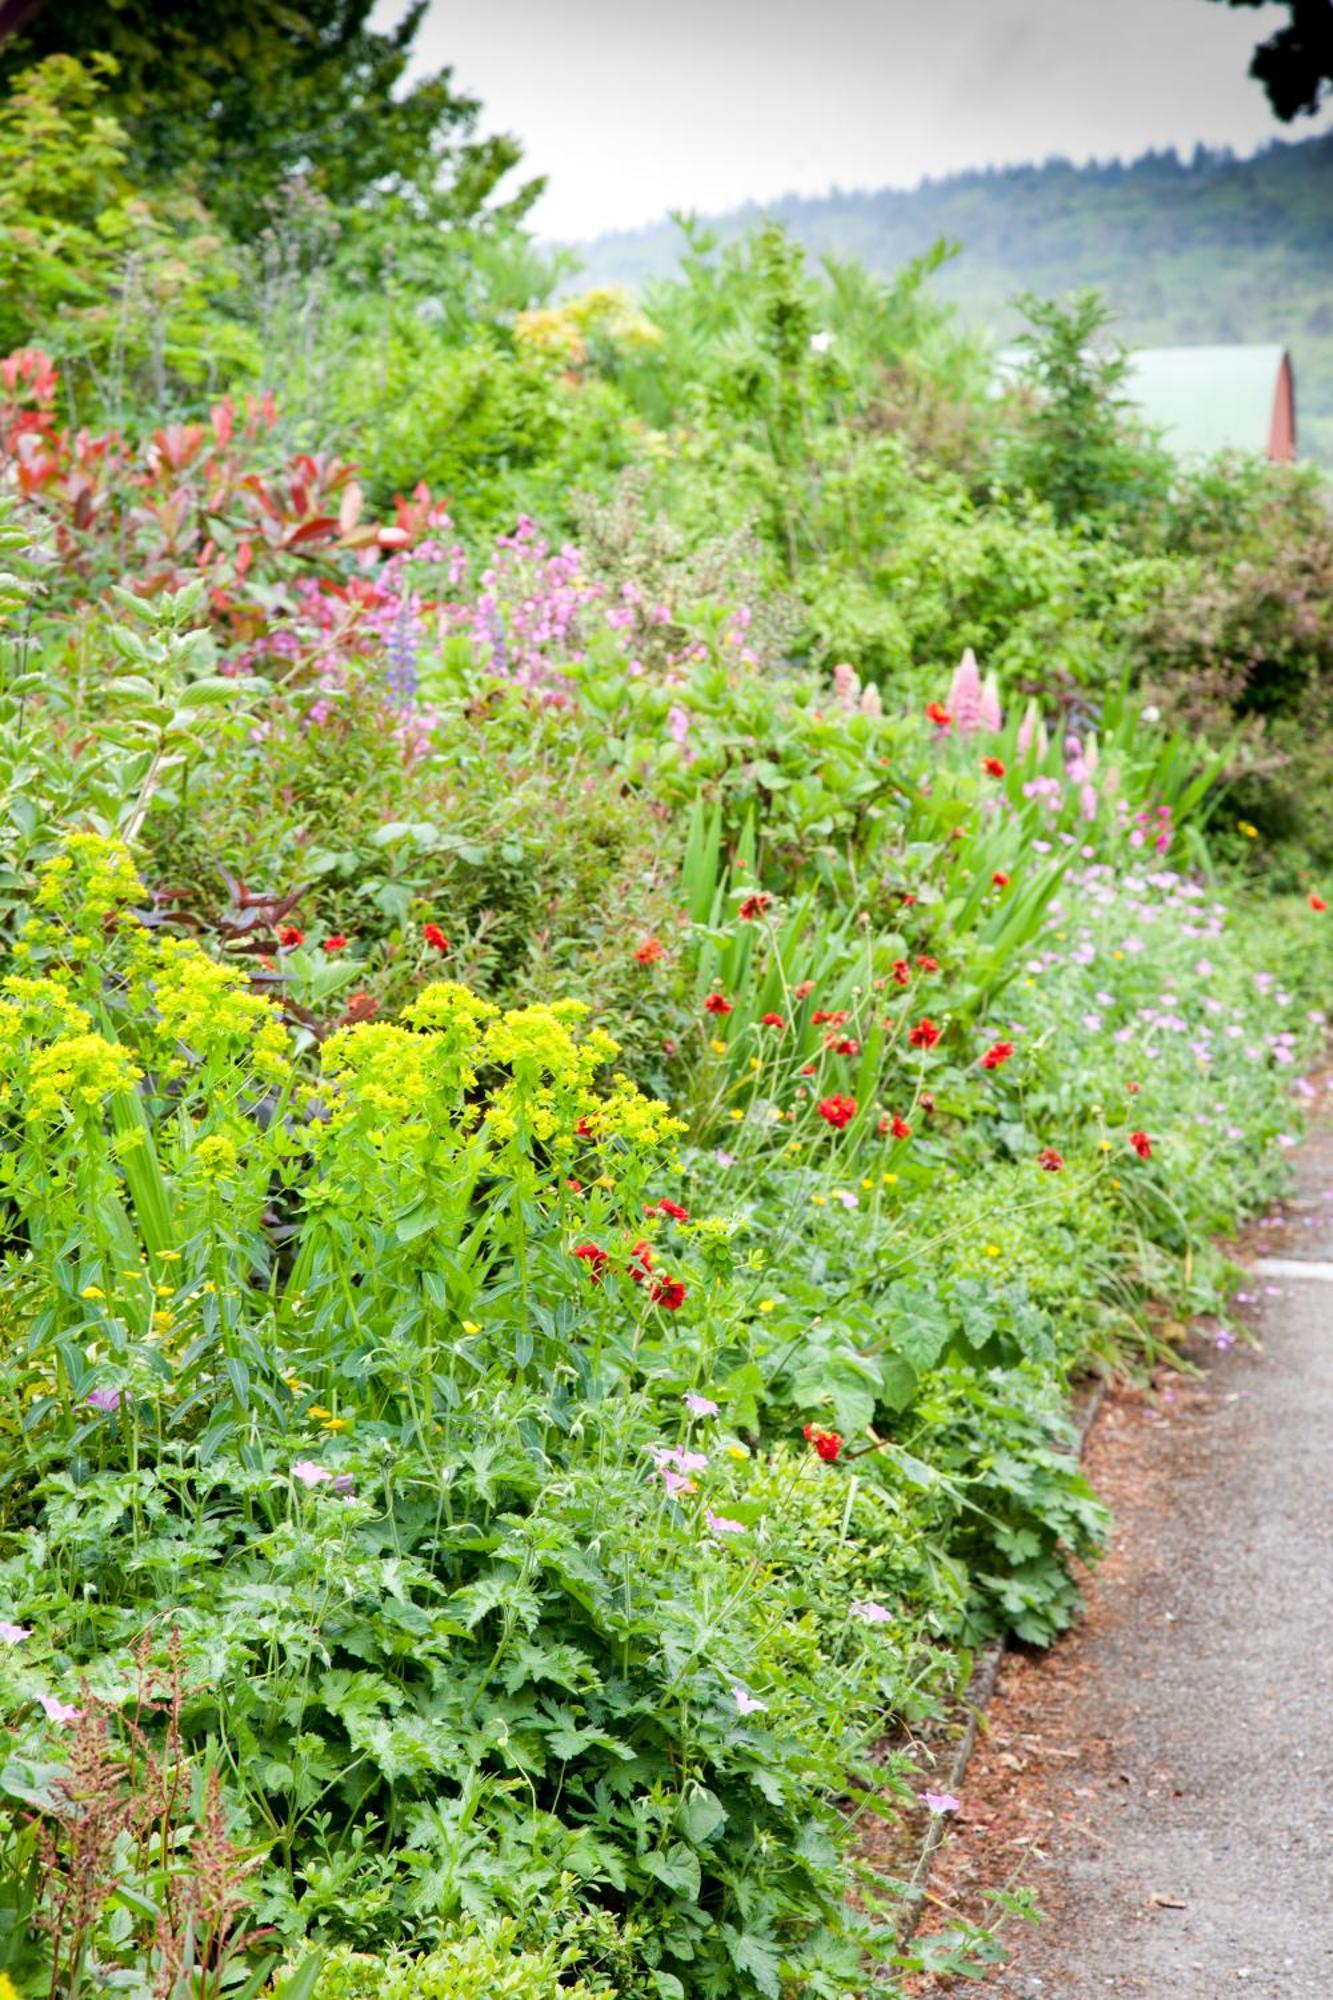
x=1164, y=1781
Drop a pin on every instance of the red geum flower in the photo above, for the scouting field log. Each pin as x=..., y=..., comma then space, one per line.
x=649, y=951
x=669, y=1293
x=900, y=1127
x=804, y=990
x=807, y=1069
x=927, y=964
x=925, y=1034
x=992, y=767
x=575, y=1187
x=754, y=906
x=901, y=970
x=997, y=1053
x=999, y=880
x=771, y=1021
x=842, y=1045
x=1133, y=1089
x=1142, y=1144
x=1049, y=1160
x=927, y=1101
x=435, y=936
x=641, y=1262
x=595, y=1259
x=717, y=1003
x=906, y=899
x=837, y=1110
x=1318, y=903
x=938, y=714
x=671, y=1208
x=337, y=942
x=289, y=937
x=835, y=1018
x=826, y=1443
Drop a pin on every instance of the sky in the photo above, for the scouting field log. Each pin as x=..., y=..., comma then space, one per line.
x=631, y=109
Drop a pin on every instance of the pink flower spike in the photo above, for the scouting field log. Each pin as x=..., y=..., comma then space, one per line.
x=720, y=1525
x=309, y=1473
x=940, y=1802
x=13, y=1635
x=59, y=1711
x=964, y=697
x=747, y=1703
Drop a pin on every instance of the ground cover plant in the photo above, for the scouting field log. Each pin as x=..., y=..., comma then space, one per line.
x=577, y=1082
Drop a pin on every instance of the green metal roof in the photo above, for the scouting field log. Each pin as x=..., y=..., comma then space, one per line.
x=1207, y=399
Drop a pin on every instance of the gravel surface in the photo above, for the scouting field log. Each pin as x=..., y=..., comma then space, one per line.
x=1163, y=1781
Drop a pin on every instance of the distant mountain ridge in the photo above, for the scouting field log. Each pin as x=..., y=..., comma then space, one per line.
x=1211, y=248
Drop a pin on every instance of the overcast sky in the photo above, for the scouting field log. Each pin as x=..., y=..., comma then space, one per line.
x=633, y=109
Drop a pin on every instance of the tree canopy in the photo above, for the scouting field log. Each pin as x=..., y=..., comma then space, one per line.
x=239, y=101
x=1295, y=66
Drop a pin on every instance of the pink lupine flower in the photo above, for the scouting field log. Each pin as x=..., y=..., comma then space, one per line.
x=964, y=697
x=992, y=715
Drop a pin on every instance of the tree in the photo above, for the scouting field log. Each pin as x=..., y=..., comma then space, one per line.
x=1295, y=66
x=239, y=100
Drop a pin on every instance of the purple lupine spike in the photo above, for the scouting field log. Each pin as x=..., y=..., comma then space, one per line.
x=964, y=698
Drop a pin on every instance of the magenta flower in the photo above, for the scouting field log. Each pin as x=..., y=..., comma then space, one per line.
x=12, y=1635
x=940, y=1802
x=747, y=1703
x=105, y=1400
x=720, y=1525
x=699, y=1406
x=59, y=1711
x=682, y=1461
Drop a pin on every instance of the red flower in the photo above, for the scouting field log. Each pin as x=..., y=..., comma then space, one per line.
x=999, y=880
x=771, y=1021
x=900, y=1127
x=842, y=1045
x=997, y=1053
x=907, y=900
x=336, y=943
x=575, y=1187
x=716, y=1003
x=669, y=1293
x=902, y=971
x=807, y=1069
x=837, y=1110
x=1318, y=903
x=649, y=951
x=804, y=990
x=1142, y=1144
x=584, y=1129
x=827, y=1443
x=992, y=767
x=435, y=936
x=360, y=1007
x=1133, y=1089
x=754, y=906
x=595, y=1259
x=641, y=1262
x=938, y=714
x=927, y=964
x=1049, y=1160
x=927, y=1101
x=671, y=1208
x=289, y=937
x=924, y=1035
x=834, y=1019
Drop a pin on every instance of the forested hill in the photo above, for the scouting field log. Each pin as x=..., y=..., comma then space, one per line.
x=1212, y=248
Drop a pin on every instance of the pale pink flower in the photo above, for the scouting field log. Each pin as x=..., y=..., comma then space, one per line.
x=940, y=1802
x=992, y=715
x=699, y=1406
x=309, y=1473
x=964, y=697
x=59, y=1711
x=747, y=1703
x=13, y=1635
x=871, y=1613
x=720, y=1525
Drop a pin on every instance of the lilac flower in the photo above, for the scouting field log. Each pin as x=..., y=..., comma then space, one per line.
x=940, y=1802
x=720, y=1525
x=747, y=1703
x=682, y=1461
x=105, y=1400
x=724, y=1159
x=678, y=724
x=870, y=1613
x=1225, y=1341
x=309, y=1473
x=846, y=1197
x=699, y=1406
x=13, y=1635
x=59, y=1711
x=676, y=1484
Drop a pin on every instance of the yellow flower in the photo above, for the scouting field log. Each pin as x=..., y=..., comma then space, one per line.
x=604, y=1181
x=335, y=1423
x=869, y=1181
x=470, y=1326
x=994, y=1250
x=208, y=1285
x=767, y=1305
x=755, y=1063
x=718, y=1046
x=170, y=1256
x=1117, y=954
x=318, y=1411
x=163, y=1291
x=92, y=1292
x=889, y=1180
x=737, y=1451
x=1103, y=1145
x=163, y=1322
x=819, y=1200
x=1114, y=1183
x=1250, y=832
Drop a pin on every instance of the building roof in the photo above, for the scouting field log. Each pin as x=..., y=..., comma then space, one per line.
x=1209, y=399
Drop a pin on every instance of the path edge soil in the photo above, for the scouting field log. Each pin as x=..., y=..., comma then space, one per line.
x=975, y=1701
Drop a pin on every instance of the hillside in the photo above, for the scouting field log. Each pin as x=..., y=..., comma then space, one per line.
x=1210, y=249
